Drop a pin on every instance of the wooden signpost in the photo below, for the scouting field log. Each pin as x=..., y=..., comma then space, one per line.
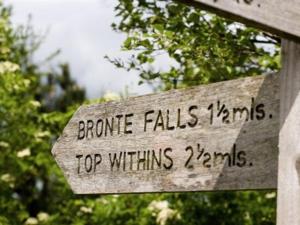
x=288, y=194
x=223, y=136
x=277, y=16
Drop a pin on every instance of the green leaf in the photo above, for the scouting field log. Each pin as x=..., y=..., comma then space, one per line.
x=127, y=43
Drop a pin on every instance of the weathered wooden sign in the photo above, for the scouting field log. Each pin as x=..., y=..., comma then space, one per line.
x=278, y=16
x=221, y=136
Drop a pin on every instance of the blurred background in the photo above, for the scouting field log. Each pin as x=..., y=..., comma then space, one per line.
x=56, y=55
x=81, y=31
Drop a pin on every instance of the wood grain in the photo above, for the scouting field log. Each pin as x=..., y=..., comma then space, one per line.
x=288, y=200
x=276, y=16
x=187, y=134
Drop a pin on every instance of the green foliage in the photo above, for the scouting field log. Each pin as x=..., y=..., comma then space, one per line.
x=31, y=185
x=60, y=91
x=201, y=47
x=56, y=90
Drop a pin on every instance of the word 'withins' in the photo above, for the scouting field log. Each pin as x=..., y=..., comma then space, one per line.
x=141, y=160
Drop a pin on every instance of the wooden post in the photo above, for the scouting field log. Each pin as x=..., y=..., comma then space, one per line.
x=276, y=16
x=288, y=201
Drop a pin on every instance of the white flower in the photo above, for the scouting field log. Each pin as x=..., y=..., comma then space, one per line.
x=42, y=134
x=23, y=153
x=31, y=221
x=103, y=201
x=158, y=205
x=4, y=144
x=86, y=209
x=7, y=178
x=4, y=50
x=110, y=96
x=16, y=87
x=42, y=216
x=26, y=82
x=35, y=104
x=270, y=195
x=166, y=214
x=163, y=212
x=8, y=67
